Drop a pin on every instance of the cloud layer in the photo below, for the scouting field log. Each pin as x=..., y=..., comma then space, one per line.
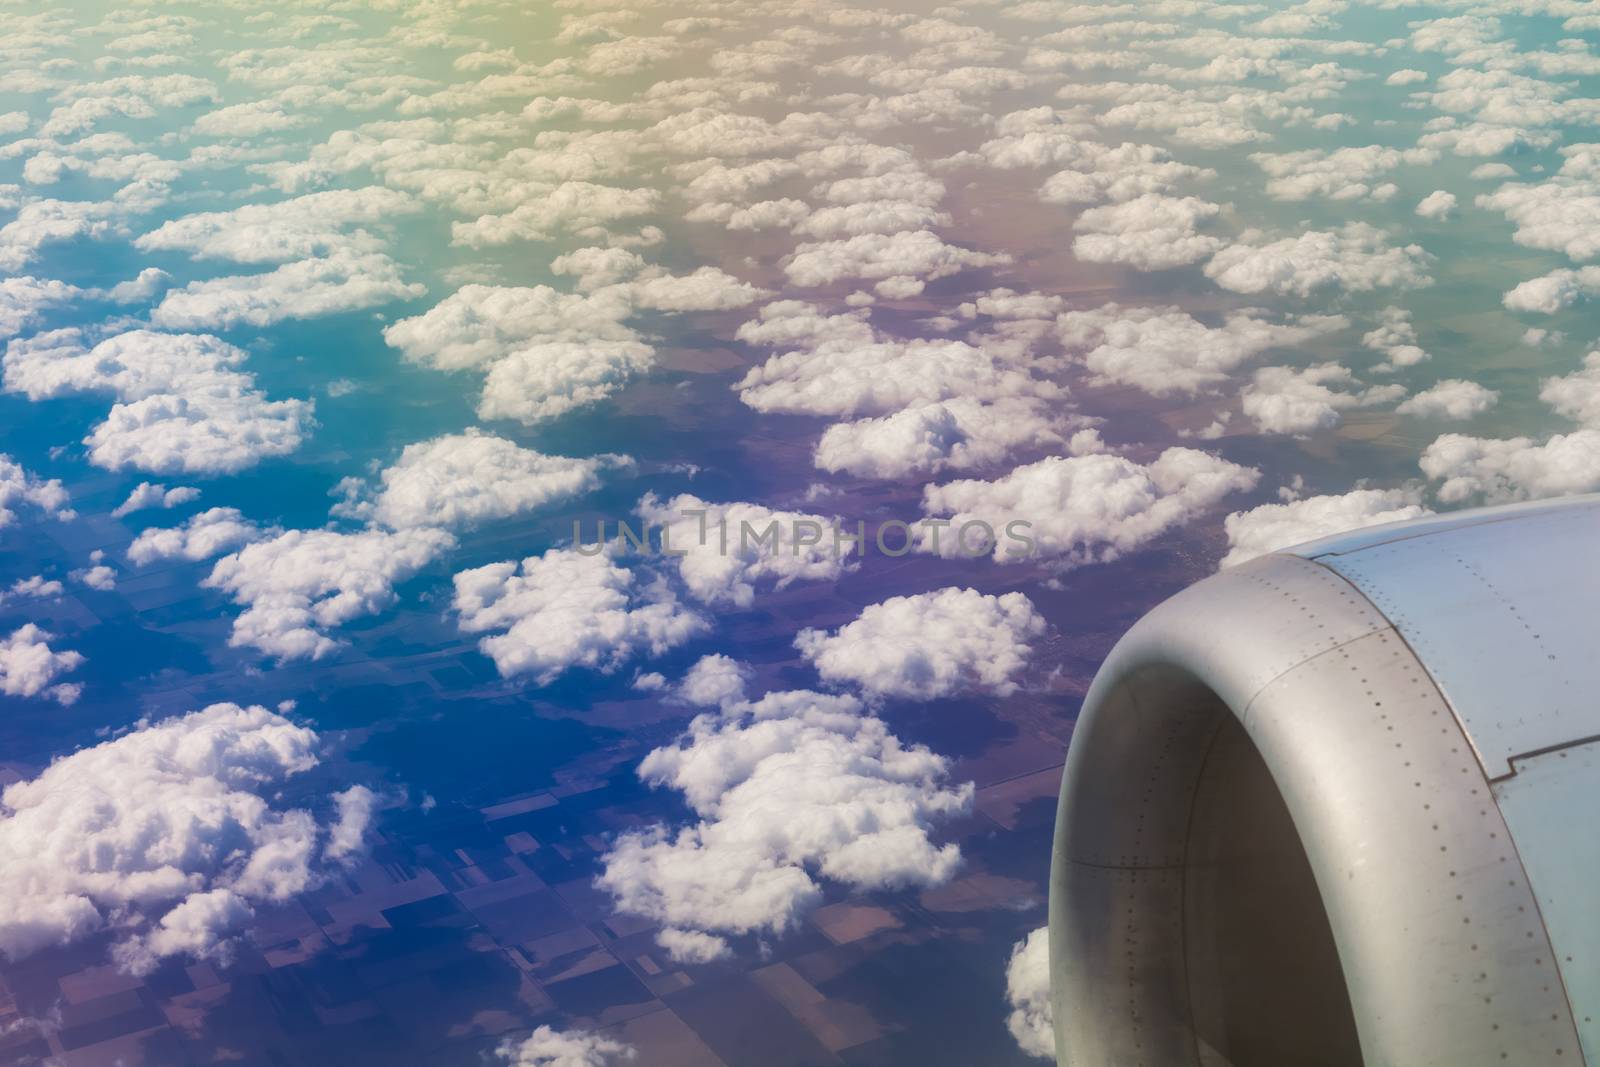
x=167, y=838
x=786, y=790
x=929, y=645
x=568, y=609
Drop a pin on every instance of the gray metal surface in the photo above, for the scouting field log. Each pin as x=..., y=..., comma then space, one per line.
x=1382, y=730
x=1505, y=612
x=1549, y=806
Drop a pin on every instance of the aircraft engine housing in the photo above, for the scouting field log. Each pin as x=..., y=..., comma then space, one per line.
x=1341, y=805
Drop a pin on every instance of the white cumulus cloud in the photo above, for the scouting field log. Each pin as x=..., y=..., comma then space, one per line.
x=153, y=495
x=299, y=584
x=576, y=207
x=210, y=533
x=1273, y=526
x=22, y=299
x=183, y=404
x=35, y=586
x=1453, y=398
x=1438, y=204
x=29, y=667
x=1502, y=470
x=1152, y=232
x=298, y=228
x=463, y=480
x=1084, y=509
x=786, y=790
x=1164, y=350
x=900, y=263
x=1357, y=259
x=957, y=434
x=839, y=365
x=165, y=838
x=723, y=552
x=341, y=281
x=1290, y=401
x=1561, y=215
x=566, y=609
x=1032, y=1016
x=1556, y=291
x=18, y=486
x=1576, y=396
x=1339, y=174
x=480, y=324
x=547, y=352
x=930, y=645
x=1396, y=338
x=543, y=381
x=714, y=681
x=563, y=1048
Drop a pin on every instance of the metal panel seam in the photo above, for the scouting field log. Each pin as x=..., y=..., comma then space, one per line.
x=1489, y=782
x=1535, y=753
x=1183, y=910
x=1466, y=734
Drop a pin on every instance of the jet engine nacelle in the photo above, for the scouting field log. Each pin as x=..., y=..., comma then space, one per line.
x=1341, y=805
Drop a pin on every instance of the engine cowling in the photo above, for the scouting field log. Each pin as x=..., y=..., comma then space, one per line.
x=1338, y=806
